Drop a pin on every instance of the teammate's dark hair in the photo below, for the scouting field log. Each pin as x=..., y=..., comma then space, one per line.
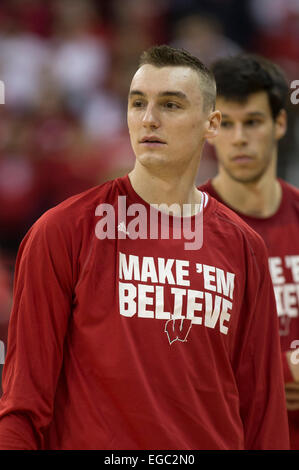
x=239, y=76
x=164, y=56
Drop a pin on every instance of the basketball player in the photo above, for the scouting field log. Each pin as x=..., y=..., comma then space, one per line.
x=127, y=338
x=251, y=95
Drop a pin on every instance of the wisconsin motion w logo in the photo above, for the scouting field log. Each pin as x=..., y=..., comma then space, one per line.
x=177, y=329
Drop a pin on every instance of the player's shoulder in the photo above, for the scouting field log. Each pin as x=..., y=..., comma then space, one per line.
x=79, y=208
x=290, y=202
x=289, y=190
x=235, y=228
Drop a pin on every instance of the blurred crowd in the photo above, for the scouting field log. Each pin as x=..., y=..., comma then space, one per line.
x=67, y=65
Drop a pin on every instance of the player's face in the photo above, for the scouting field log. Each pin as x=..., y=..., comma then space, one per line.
x=166, y=121
x=247, y=140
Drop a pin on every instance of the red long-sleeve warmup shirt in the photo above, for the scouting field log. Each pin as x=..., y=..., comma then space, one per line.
x=281, y=235
x=124, y=343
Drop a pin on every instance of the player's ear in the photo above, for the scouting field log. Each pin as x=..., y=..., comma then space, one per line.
x=280, y=124
x=213, y=124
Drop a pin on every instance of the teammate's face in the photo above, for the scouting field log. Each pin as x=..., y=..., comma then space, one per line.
x=246, y=143
x=166, y=120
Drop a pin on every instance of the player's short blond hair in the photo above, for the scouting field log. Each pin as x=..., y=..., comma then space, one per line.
x=165, y=56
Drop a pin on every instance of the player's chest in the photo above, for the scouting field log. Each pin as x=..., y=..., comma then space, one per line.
x=159, y=280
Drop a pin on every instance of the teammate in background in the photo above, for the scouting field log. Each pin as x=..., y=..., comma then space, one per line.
x=118, y=341
x=251, y=95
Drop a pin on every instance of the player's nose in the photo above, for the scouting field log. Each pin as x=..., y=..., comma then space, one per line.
x=151, y=118
x=239, y=135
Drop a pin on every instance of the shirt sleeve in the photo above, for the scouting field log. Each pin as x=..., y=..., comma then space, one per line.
x=40, y=314
x=259, y=372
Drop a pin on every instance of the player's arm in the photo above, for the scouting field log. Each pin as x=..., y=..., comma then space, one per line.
x=292, y=379
x=290, y=362
x=259, y=372
x=292, y=359
x=37, y=329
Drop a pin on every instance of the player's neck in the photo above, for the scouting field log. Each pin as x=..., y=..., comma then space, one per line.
x=257, y=199
x=159, y=189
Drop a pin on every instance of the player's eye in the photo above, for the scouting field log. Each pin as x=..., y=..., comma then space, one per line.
x=253, y=122
x=171, y=105
x=137, y=104
x=226, y=124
